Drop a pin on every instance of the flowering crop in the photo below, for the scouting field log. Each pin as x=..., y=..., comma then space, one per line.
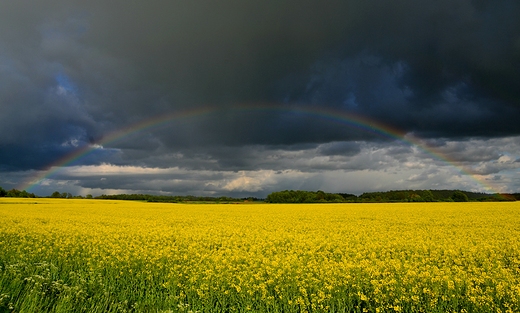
x=59, y=255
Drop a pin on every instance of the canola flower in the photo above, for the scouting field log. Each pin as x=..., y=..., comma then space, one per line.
x=60, y=255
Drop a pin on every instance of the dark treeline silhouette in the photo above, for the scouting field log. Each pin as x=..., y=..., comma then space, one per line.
x=297, y=196
x=434, y=196
x=300, y=196
x=174, y=199
x=138, y=197
x=15, y=193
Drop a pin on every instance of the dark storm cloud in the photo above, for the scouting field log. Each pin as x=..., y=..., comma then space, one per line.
x=73, y=71
x=308, y=158
x=171, y=181
x=469, y=151
x=340, y=148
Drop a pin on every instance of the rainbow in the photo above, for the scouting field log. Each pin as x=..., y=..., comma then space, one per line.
x=346, y=118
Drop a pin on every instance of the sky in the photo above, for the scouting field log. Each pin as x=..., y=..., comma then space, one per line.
x=243, y=98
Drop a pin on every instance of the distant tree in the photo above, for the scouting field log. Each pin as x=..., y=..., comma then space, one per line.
x=300, y=196
x=415, y=198
x=14, y=193
x=347, y=196
x=427, y=196
x=320, y=195
x=25, y=194
x=459, y=196
x=89, y=196
x=3, y=193
x=56, y=194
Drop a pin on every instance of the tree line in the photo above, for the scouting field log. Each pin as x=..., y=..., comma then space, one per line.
x=296, y=196
x=14, y=193
x=299, y=196
x=176, y=199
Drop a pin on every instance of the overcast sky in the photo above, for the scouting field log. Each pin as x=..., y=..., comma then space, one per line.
x=259, y=96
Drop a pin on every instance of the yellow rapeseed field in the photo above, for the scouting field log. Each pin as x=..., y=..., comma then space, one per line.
x=59, y=255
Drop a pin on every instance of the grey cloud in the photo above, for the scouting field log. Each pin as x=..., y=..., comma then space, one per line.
x=423, y=176
x=494, y=167
x=308, y=158
x=473, y=150
x=339, y=148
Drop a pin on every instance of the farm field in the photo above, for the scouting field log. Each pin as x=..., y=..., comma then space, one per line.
x=59, y=255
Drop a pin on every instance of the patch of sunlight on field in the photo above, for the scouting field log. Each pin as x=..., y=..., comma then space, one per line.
x=60, y=255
